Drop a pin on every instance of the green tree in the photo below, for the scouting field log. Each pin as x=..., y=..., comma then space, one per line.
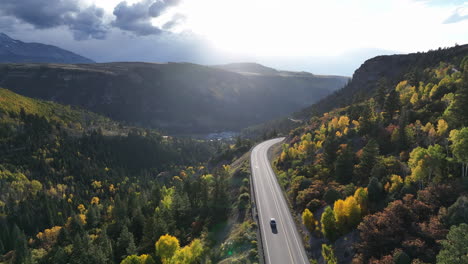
x=400, y=257
x=426, y=163
x=328, y=254
x=125, y=244
x=459, y=139
x=392, y=104
x=457, y=213
x=344, y=166
x=459, y=108
x=361, y=197
x=374, y=190
x=382, y=87
x=328, y=223
x=455, y=247
x=369, y=157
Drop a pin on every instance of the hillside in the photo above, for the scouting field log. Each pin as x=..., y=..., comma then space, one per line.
x=383, y=179
x=12, y=105
x=386, y=70
x=15, y=51
x=175, y=97
x=77, y=195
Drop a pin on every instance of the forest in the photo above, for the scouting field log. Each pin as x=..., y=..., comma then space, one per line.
x=384, y=179
x=76, y=187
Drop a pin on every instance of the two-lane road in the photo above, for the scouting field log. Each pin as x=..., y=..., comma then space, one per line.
x=283, y=245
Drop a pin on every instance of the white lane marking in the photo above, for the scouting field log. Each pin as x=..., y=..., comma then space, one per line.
x=278, y=209
x=260, y=217
x=286, y=209
x=273, y=182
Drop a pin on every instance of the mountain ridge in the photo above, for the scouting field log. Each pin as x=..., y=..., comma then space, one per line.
x=391, y=67
x=16, y=51
x=161, y=95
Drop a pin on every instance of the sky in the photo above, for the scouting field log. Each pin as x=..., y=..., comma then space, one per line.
x=322, y=37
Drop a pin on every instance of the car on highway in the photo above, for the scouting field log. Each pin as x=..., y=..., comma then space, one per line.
x=273, y=223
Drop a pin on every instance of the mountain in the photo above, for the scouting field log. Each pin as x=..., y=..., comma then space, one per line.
x=176, y=97
x=15, y=51
x=389, y=69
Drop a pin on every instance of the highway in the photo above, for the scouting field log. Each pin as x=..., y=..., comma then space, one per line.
x=283, y=245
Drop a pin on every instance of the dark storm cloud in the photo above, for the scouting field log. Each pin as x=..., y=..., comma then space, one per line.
x=136, y=18
x=44, y=14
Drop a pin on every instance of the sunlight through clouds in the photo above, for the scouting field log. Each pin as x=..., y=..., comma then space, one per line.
x=307, y=27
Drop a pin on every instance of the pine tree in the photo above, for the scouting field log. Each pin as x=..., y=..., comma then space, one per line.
x=105, y=244
x=125, y=244
x=330, y=147
x=344, y=166
x=380, y=95
x=391, y=105
x=22, y=252
x=374, y=190
x=368, y=159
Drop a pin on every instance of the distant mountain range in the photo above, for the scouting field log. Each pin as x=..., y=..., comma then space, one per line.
x=15, y=51
x=179, y=98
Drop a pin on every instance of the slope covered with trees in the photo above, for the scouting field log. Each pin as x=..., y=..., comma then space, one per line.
x=76, y=187
x=384, y=179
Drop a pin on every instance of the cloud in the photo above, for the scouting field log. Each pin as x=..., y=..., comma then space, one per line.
x=137, y=17
x=84, y=23
x=176, y=20
x=460, y=14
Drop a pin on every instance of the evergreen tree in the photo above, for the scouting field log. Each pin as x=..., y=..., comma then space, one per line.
x=344, y=166
x=455, y=247
x=330, y=147
x=105, y=244
x=137, y=225
x=22, y=252
x=374, y=190
x=125, y=244
x=368, y=159
x=381, y=93
x=92, y=216
x=391, y=105
x=460, y=105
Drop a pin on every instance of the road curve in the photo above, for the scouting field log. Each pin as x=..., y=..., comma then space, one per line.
x=283, y=245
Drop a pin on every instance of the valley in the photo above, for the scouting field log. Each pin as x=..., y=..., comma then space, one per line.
x=185, y=163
